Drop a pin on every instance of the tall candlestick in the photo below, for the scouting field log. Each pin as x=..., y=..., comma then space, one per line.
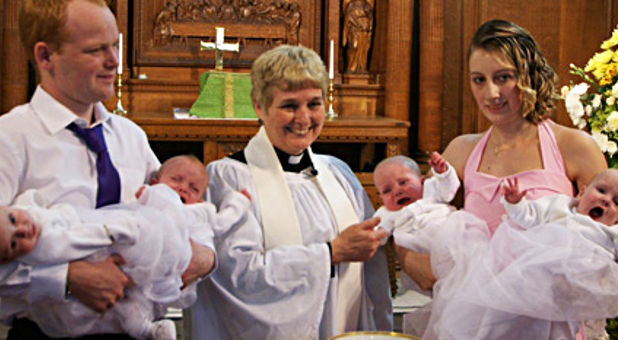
x=120, y=53
x=331, y=61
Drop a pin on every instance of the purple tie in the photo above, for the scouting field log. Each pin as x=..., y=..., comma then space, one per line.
x=108, y=179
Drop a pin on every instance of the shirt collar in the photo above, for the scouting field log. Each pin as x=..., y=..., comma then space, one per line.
x=56, y=117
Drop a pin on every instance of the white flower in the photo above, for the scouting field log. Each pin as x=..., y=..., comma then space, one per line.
x=573, y=105
x=601, y=140
x=580, y=123
x=610, y=100
x=588, y=110
x=611, y=148
x=596, y=101
x=564, y=90
x=615, y=90
x=612, y=121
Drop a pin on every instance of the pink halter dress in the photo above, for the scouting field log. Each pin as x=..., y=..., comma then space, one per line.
x=482, y=191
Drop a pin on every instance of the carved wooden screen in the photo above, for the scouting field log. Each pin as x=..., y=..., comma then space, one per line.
x=168, y=32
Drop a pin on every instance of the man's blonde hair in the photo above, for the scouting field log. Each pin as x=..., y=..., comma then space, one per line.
x=45, y=20
x=287, y=68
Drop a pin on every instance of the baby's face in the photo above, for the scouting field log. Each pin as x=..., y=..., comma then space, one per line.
x=18, y=234
x=600, y=199
x=397, y=185
x=187, y=178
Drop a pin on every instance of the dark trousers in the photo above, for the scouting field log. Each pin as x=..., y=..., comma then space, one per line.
x=24, y=329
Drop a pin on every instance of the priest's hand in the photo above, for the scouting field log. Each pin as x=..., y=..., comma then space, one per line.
x=98, y=285
x=202, y=262
x=358, y=242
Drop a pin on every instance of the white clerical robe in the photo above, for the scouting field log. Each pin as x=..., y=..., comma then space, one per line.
x=286, y=292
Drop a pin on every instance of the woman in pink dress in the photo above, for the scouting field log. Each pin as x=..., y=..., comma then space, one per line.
x=513, y=87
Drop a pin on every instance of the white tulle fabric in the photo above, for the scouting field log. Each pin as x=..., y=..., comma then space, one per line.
x=532, y=282
x=544, y=270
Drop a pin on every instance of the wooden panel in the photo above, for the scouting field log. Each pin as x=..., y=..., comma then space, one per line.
x=168, y=33
x=398, y=59
x=431, y=57
x=453, y=75
x=580, y=37
x=13, y=67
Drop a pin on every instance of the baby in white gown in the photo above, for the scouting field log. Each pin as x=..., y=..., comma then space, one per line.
x=427, y=224
x=152, y=235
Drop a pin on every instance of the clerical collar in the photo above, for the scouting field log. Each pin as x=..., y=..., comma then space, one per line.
x=288, y=162
x=294, y=163
x=295, y=159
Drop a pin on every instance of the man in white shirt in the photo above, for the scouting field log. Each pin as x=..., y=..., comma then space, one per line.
x=74, y=44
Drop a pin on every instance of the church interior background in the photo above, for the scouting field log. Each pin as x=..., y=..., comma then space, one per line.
x=400, y=82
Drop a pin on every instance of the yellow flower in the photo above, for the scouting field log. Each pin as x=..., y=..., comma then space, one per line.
x=611, y=42
x=598, y=60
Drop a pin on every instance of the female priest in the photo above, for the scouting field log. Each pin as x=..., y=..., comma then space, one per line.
x=306, y=263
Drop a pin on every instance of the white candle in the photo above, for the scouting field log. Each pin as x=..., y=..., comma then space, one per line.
x=120, y=53
x=331, y=62
x=220, y=33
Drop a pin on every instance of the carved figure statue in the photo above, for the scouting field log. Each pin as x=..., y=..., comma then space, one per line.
x=162, y=28
x=261, y=12
x=292, y=22
x=357, y=31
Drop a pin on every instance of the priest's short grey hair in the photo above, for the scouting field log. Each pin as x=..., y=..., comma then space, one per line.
x=404, y=161
x=44, y=20
x=287, y=68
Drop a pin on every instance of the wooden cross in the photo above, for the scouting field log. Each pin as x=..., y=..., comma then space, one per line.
x=219, y=46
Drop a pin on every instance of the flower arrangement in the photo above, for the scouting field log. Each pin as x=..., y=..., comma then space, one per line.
x=597, y=111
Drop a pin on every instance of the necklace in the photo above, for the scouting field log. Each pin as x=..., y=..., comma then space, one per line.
x=499, y=148
x=504, y=147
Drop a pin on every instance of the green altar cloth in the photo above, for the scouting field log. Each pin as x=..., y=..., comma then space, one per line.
x=224, y=95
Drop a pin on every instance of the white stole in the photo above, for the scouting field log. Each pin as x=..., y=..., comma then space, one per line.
x=280, y=223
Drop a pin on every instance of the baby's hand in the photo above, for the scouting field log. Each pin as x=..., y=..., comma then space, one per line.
x=246, y=193
x=510, y=190
x=140, y=191
x=438, y=163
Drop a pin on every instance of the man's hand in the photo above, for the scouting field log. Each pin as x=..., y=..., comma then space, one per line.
x=358, y=242
x=98, y=285
x=202, y=262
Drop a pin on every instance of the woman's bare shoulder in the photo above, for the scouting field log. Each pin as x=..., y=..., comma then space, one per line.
x=459, y=149
x=581, y=154
x=464, y=143
x=572, y=139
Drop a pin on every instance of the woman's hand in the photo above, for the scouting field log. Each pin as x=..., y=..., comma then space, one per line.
x=417, y=266
x=202, y=262
x=358, y=242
